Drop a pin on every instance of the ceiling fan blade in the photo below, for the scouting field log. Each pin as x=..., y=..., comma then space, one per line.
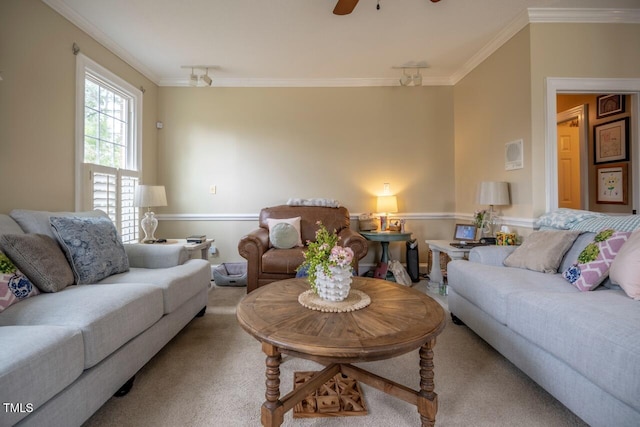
x=344, y=7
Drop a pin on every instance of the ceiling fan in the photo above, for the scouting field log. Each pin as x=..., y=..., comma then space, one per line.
x=345, y=7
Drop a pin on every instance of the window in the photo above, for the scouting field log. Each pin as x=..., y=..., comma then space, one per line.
x=108, y=139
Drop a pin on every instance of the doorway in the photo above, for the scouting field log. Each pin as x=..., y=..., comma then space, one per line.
x=555, y=86
x=572, y=127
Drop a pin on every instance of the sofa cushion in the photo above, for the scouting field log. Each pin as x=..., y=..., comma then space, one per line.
x=92, y=247
x=178, y=284
x=625, y=269
x=572, y=254
x=9, y=226
x=14, y=286
x=542, y=250
x=107, y=315
x=489, y=286
x=564, y=218
x=39, y=363
x=596, y=333
x=38, y=221
x=295, y=222
x=40, y=258
x=592, y=265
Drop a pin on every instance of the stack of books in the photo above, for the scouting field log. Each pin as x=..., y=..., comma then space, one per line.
x=197, y=238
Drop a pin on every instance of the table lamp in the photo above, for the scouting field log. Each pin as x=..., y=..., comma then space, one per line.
x=492, y=193
x=148, y=196
x=386, y=205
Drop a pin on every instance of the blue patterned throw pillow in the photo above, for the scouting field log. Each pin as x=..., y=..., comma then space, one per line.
x=92, y=246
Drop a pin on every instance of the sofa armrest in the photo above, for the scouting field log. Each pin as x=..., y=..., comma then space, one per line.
x=490, y=255
x=155, y=256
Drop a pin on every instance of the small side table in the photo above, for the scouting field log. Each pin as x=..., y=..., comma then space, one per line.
x=384, y=237
x=438, y=246
x=192, y=247
x=203, y=247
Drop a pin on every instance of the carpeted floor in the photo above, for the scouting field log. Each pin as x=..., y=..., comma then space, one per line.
x=212, y=374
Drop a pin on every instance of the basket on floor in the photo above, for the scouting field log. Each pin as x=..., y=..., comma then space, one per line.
x=230, y=274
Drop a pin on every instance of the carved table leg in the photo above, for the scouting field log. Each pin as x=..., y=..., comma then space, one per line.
x=427, y=398
x=272, y=410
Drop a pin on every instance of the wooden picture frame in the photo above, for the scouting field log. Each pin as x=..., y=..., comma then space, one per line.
x=612, y=185
x=608, y=105
x=611, y=142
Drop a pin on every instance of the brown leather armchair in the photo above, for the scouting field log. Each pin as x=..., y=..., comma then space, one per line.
x=267, y=264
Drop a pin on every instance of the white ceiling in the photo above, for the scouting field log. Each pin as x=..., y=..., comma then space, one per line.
x=301, y=42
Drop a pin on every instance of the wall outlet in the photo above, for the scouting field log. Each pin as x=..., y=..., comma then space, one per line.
x=212, y=189
x=213, y=250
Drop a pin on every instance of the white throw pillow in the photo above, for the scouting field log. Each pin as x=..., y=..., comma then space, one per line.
x=271, y=222
x=625, y=268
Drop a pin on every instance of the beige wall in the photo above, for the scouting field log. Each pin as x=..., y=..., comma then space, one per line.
x=492, y=107
x=261, y=146
x=37, y=105
x=574, y=50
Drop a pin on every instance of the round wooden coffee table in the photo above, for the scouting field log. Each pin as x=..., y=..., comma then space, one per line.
x=398, y=320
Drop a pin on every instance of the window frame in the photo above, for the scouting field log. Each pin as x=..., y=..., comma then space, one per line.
x=83, y=188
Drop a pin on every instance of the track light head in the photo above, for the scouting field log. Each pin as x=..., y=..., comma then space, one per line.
x=205, y=78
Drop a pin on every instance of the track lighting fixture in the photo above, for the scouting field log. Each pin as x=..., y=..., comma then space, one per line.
x=205, y=78
x=199, y=75
x=411, y=79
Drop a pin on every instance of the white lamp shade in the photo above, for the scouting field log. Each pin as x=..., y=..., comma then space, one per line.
x=387, y=204
x=493, y=193
x=147, y=196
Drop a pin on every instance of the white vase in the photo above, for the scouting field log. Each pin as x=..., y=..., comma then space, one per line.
x=336, y=285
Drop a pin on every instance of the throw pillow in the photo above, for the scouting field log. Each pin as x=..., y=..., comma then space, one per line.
x=542, y=250
x=625, y=268
x=295, y=222
x=14, y=286
x=40, y=258
x=594, y=261
x=92, y=247
x=283, y=236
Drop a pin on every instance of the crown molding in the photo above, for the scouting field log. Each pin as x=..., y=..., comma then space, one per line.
x=338, y=82
x=529, y=16
x=584, y=15
x=78, y=20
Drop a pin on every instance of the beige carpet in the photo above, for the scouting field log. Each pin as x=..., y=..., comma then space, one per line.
x=212, y=374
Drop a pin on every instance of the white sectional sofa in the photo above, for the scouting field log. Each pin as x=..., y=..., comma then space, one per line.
x=582, y=347
x=64, y=354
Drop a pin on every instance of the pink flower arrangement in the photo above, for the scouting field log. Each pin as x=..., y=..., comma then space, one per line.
x=341, y=256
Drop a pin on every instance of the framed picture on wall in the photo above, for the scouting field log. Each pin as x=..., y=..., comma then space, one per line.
x=612, y=184
x=609, y=105
x=611, y=143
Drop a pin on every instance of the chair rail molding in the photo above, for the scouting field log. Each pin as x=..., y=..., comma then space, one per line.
x=416, y=216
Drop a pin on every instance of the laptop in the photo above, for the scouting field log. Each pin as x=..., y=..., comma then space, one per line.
x=465, y=236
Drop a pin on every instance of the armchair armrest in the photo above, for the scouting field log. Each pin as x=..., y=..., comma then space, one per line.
x=252, y=247
x=490, y=255
x=356, y=242
x=155, y=256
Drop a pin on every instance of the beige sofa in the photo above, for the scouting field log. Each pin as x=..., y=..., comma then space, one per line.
x=64, y=354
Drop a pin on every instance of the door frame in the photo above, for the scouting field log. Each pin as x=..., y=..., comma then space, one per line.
x=580, y=112
x=555, y=85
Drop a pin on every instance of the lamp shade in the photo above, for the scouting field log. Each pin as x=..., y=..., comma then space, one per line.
x=493, y=193
x=147, y=196
x=387, y=204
